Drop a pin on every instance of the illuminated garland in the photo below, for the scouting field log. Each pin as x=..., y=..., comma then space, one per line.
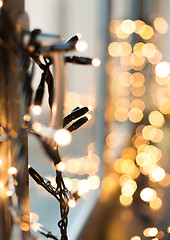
x=49, y=136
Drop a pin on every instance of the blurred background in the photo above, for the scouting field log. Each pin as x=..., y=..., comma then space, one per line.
x=120, y=158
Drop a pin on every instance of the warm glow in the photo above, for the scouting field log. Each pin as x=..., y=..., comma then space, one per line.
x=62, y=137
x=129, y=188
x=115, y=49
x=36, y=226
x=121, y=114
x=128, y=26
x=138, y=103
x=135, y=115
x=83, y=186
x=1, y=3
x=125, y=79
x=147, y=194
x=162, y=69
x=164, y=106
x=124, y=178
x=168, y=229
x=60, y=166
x=162, y=81
x=137, y=79
x=71, y=203
x=156, y=119
x=139, y=24
x=137, y=49
x=155, y=204
x=146, y=32
x=135, y=238
x=150, y=232
x=12, y=171
x=120, y=34
x=81, y=46
x=148, y=50
x=161, y=25
x=158, y=174
x=27, y=117
x=126, y=48
x=36, y=109
x=9, y=193
x=96, y=62
x=137, y=61
x=126, y=201
x=156, y=58
x=149, y=132
x=94, y=182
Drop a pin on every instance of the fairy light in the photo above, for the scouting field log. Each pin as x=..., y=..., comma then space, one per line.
x=158, y=174
x=161, y=25
x=162, y=69
x=27, y=117
x=128, y=26
x=96, y=62
x=62, y=137
x=12, y=171
x=72, y=203
x=81, y=46
x=135, y=238
x=36, y=226
x=150, y=232
x=60, y=166
x=1, y=3
x=36, y=109
x=147, y=194
x=9, y=193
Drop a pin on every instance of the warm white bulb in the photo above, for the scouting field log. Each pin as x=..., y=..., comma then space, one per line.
x=60, y=166
x=62, y=137
x=36, y=109
x=71, y=203
x=9, y=193
x=81, y=46
x=96, y=62
x=12, y=171
x=36, y=226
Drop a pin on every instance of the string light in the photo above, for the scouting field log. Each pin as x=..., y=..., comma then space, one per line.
x=81, y=46
x=62, y=137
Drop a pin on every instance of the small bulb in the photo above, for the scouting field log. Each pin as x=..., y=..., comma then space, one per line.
x=27, y=117
x=12, y=171
x=81, y=46
x=96, y=62
x=36, y=226
x=9, y=193
x=62, y=137
x=1, y=3
x=71, y=203
x=36, y=109
x=60, y=166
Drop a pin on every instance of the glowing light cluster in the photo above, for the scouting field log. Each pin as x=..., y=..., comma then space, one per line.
x=129, y=67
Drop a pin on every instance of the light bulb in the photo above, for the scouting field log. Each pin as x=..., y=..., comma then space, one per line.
x=96, y=62
x=62, y=137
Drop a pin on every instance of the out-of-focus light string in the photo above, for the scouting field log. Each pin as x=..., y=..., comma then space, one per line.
x=142, y=156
